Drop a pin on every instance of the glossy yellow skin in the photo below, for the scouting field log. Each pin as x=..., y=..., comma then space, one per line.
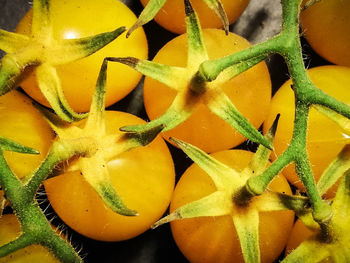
x=9, y=230
x=326, y=26
x=144, y=178
x=76, y=19
x=250, y=92
x=324, y=139
x=172, y=15
x=21, y=122
x=214, y=239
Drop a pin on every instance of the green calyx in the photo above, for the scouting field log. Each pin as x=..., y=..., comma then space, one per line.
x=153, y=7
x=45, y=52
x=229, y=200
x=99, y=147
x=192, y=89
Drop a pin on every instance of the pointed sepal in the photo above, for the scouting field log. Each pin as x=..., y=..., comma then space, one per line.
x=343, y=122
x=176, y=114
x=247, y=227
x=215, y=204
x=9, y=71
x=221, y=105
x=218, y=8
x=196, y=48
x=73, y=49
x=169, y=75
x=95, y=172
x=341, y=203
x=147, y=14
x=335, y=170
x=10, y=42
x=50, y=86
x=41, y=23
x=221, y=174
x=95, y=121
x=260, y=159
x=10, y=145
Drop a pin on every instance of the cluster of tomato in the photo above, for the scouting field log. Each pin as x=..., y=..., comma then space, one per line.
x=145, y=176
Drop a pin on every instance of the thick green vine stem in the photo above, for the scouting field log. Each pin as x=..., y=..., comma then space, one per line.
x=287, y=44
x=34, y=225
x=45, y=52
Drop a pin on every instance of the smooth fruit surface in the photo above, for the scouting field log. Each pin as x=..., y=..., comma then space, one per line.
x=9, y=230
x=21, y=122
x=214, y=239
x=326, y=26
x=76, y=19
x=172, y=14
x=325, y=138
x=250, y=92
x=143, y=177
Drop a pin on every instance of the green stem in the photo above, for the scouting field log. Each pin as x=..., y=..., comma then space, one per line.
x=210, y=69
x=23, y=241
x=257, y=185
x=12, y=186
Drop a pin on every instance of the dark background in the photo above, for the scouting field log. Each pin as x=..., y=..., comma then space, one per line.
x=260, y=21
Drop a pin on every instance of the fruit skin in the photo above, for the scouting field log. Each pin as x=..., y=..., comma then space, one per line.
x=143, y=177
x=325, y=138
x=326, y=26
x=172, y=15
x=250, y=92
x=9, y=230
x=214, y=239
x=21, y=122
x=77, y=18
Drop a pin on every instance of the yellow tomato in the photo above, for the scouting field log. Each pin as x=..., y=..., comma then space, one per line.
x=9, y=230
x=325, y=139
x=214, y=239
x=21, y=122
x=172, y=14
x=143, y=177
x=76, y=19
x=326, y=26
x=250, y=92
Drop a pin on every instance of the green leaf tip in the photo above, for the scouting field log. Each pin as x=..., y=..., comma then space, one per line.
x=10, y=145
x=129, y=61
x=218, y=8
x=167, y=219
x=95, y=43
x=145, y=136
x=147, y=14
x=113, y=200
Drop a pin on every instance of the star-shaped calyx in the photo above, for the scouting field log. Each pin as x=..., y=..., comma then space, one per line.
x=102, y=147
x=42, y=50
x=229, y=199
x=191, y=89
x=153, y=7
